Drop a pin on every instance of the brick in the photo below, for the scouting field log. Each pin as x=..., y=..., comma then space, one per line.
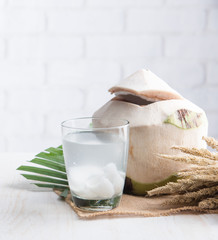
x=45, y=48
x=46, y=99
x=212, y=73
x=205, y=97
x=85, y=21
x=123, y=46
x=177, y=74
x=34, y=143
x=192, y=47
x=213, y=20
x=84, y=72
x=125, y=3
x=21, y=124
x=213, y=126
x=13, y=21
x=165, y=20
x=46, y=3
x=196, y=3
x=12, y=74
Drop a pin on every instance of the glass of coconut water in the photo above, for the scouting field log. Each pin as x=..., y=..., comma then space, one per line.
x=95, y=154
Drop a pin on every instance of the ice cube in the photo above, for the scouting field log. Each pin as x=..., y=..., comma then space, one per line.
x=110, y=171
x=100, y=186
x=86, y=193
x=78, y=175
x=115, y=177
x=118, y=183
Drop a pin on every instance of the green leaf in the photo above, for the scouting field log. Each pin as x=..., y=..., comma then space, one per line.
x=50, y=186
x=185, y=119
x=64, y=193
x=43, y=171
x=49, y=164
x=54, y=150
x=52, y=157
x=44, y=179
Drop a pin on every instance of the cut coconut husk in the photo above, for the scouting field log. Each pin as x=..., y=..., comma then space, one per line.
x=146, y=85
x=150, y=135
x=155, y=126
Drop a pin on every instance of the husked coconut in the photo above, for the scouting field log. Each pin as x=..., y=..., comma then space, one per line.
x=159, y=118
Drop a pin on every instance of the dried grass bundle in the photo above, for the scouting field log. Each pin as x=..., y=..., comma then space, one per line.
x=201, y=161
x=192, y=197
x=197, y=185
x=209, y=203
x=204, y=153
x=211, y=142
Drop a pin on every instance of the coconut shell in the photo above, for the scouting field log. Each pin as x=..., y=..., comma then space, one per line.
x=159, y=119
x=151, y=135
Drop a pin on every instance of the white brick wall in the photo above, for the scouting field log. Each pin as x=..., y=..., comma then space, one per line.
x=213, y=19
x=58, y=58
x=126, y=46
x=193, y=3
x=74, y=72
x=2, y=48
x=165, y=20
x=2, y=2
x=85, y=21
x=212, y=74
x=45, y=48
x=18, y=73
x=15, y=21
x=125, y=3
x=195, y=47
x=46, y=3
x=2, y=100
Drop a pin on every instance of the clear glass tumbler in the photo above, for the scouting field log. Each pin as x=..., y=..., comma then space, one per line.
x=95, y=154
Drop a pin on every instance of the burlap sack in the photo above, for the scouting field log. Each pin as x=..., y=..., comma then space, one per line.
x=138, y=206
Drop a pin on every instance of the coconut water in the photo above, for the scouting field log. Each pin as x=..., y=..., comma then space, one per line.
x=96, y=165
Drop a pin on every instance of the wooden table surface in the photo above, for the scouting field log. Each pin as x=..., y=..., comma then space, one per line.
x=27, y=212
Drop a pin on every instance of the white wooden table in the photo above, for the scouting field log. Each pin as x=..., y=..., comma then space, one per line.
x=27, y=212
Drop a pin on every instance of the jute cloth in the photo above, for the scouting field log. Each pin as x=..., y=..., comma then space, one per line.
x=138, y=206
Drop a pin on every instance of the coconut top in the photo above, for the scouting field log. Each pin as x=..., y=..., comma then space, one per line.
x=146, y=85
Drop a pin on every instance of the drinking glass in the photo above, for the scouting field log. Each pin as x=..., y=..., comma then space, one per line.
x=95, y=153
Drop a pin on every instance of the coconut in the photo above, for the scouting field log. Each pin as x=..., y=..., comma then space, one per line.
x=159, y=118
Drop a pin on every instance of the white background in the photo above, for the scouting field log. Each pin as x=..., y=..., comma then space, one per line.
x=59, y=57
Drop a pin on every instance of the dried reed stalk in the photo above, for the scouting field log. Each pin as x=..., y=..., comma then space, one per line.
x=209, y=203
x=181, y=186
x=189, y=159
x=199, y=172
x=211, y=142
x=196, y=168
x=197, y=185
x=198, y=152
x=191, y=197
x=207, y=178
